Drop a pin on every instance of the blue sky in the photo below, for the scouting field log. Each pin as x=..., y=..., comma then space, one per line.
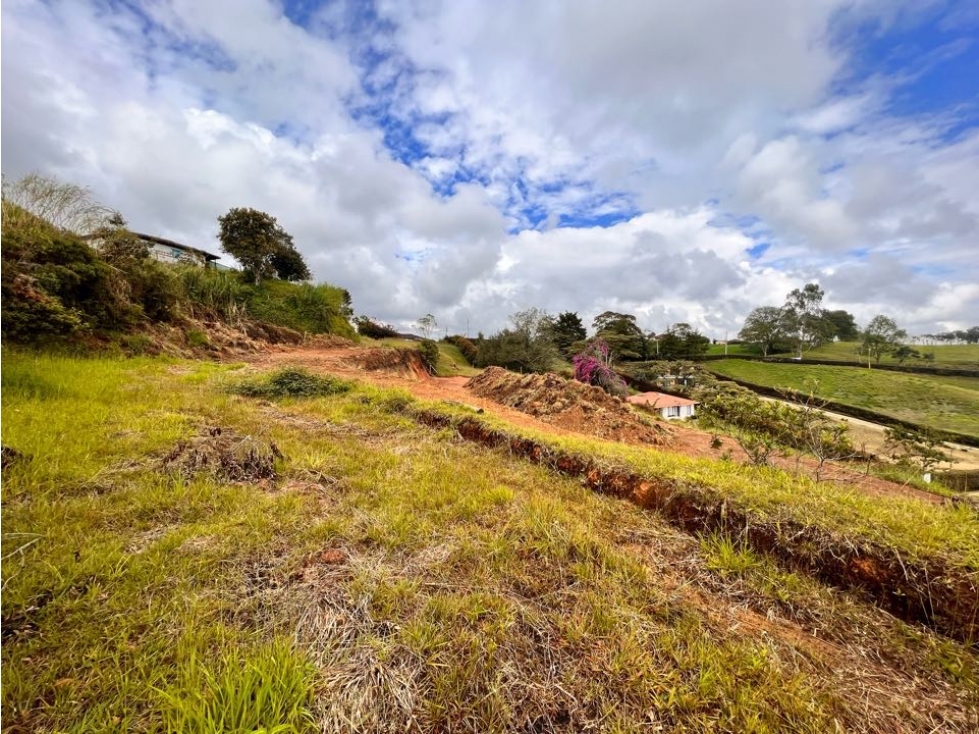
x=680, y=161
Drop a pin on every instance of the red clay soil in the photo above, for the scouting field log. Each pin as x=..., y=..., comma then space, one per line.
x=391, y=370
x=569, y=404
x=929, y=592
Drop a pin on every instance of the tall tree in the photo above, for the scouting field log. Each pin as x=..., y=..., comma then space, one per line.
x=428, y=324
x=804, y=314
x=622, y=334
x=841, y=325
x=682, y=341
x=765, y=328
x=287, y=262
x=567, y=330
x=263, y=248
x=882, y=336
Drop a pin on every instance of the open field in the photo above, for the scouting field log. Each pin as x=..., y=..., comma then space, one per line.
x=946, y=355
x=392, y=577
x=718, y=349
x=950, y=403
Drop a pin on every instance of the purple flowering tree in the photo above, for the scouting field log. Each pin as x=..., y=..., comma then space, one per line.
x=594, y=367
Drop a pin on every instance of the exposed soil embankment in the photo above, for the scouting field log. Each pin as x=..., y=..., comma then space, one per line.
x=405, y=362
x=944, y=598
x=568, y=404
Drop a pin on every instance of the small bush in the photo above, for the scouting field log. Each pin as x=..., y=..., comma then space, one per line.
x=292, y=382
x=197, y=339
x=592, y=368
x=469, y=350
x=430, y=354
x=366, y=326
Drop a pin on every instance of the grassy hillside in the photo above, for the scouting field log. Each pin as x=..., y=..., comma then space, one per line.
x=947, y=355
x=950, y=403
x=391, y=577
x=58, y=287
x=719, y=349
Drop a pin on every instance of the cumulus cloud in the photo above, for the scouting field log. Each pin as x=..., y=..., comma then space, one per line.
x=472, y=158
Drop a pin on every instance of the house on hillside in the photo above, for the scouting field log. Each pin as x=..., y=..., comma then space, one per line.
x=669, y=406
x=175, y=253
x=169, y=252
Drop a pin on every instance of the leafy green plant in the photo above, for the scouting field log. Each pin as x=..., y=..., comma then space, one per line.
x=291, y=382
x=429, y=351
x=269, y=692
x=919, y=448
x=197, y=339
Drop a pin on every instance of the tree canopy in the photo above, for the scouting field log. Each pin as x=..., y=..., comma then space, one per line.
x=841, y=325
x=682, y=341
x=805, y=316
x=567, y=330
x=263, y=248
x=765, y=328
x=882, y=336
x=622, y=334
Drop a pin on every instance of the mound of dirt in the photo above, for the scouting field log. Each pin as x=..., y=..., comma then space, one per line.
x=568, y=404
x=224, y=456
x=403, y=362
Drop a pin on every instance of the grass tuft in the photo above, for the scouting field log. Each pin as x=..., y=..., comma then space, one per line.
x=266, y=693
x=291, y=382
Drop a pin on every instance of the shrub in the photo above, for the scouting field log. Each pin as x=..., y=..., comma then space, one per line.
x=469, y=350
x=292, y=382
x=366, y=326
x=55, y=282
x=197, y=338
x=207, y=293
x=592, y=368
x=430, y=354
x=314, y=309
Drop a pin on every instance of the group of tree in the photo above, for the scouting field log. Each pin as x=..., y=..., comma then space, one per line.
x=527, y=345
x=802, y=324
x=535, y=340
x=966, y=336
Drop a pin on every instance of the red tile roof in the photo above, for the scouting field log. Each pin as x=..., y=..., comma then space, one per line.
x=660, y=400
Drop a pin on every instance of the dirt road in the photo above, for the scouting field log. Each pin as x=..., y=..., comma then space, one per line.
x=870, y=436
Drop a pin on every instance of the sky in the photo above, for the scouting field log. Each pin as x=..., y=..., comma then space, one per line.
x=680, y=161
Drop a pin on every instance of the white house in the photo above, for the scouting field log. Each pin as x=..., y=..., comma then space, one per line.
x=175, y=253
x=669, y=406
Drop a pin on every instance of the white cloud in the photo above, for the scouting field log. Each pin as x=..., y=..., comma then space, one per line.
x=646, y=110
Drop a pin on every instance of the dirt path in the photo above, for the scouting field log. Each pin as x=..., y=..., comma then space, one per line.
x=349, y=362
x=871, y=436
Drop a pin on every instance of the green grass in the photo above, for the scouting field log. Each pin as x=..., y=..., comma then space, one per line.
x=745, y=349
x=395, y=578
x=946, y=355
x=917, y=528
x=950, y=403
